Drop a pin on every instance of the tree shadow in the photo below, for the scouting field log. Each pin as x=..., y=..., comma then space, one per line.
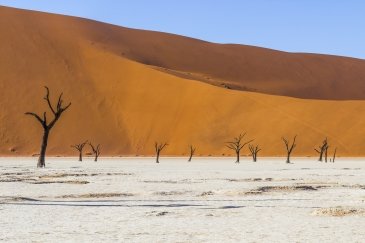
x=201, y=204
x=98, y=204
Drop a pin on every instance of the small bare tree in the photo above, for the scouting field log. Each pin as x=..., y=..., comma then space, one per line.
x=79, y=147
x=254, y=150
x=334, y=156
x=47, y=126
x=158, y=148
x=322, y=149
x=237, y=145
x=326, y=153
x=192, y=151
x=96, y=151
x=289, y=148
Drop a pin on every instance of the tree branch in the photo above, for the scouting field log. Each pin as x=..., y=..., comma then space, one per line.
x=48, y=100
x=37, y=117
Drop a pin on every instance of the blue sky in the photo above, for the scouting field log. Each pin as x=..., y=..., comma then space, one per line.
x=318, y=26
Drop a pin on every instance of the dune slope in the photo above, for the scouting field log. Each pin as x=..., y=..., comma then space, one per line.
x=126, y=105
x=232, y=66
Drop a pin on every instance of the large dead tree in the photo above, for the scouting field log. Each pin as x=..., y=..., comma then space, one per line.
x=289, y=148
x=322, y=149
x=96, y=151
x=237, y=145
x=254, y=151
x=192, y=151
x=158, y=148
x=79, y=147
x=48, y=125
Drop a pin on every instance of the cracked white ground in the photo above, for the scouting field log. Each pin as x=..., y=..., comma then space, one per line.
x=206, y=200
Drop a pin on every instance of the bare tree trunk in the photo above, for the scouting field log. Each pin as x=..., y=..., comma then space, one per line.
x=42, y=155
x=254, y=151
x=321, y=149
x=192, y=151
x=288, y=159
x=79, y=147
x=289, y=148
x=96, y=151
x=237, y=144
x=158, y=148
x=158, y=157
x=334, y=156
x=48, y=125
x=325, y=154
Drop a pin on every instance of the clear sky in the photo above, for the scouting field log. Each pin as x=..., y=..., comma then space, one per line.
x=318, y=26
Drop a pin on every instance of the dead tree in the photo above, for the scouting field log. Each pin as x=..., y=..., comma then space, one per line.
x=326, y=154
x=322, y=149
x=237, y=145
x=47, y=126
x=96, y=151
x=254, y=150
x=158, y=148
x=192, y=151
x=289, y=148
x=79, y=147
x=334, y=156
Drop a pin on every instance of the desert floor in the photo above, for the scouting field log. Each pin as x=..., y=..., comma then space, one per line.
x=206, y=200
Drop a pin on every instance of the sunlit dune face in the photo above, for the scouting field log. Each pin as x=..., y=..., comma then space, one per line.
x=131, y=88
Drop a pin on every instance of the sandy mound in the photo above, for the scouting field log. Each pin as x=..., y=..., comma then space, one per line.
x=17, y=199
x=96, y=195
x=285, y=188
x=338, y=212
x=61, y=182
x=270, y=189
x=169, y=193
x=61, y=175
x=207, y=193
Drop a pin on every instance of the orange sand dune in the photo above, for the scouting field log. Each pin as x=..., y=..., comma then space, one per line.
x=234, y=66
x=126, y=105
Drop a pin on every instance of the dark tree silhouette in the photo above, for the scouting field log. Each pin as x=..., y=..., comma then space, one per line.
x=192, y=151
x=237, y=145
x=322, y=149
x=289, y=148
x=79, y=147
x=254, y=150
x=47, y=126
x=158, y=148
x=334, y=156
x=96, y=151
x=326, y=153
